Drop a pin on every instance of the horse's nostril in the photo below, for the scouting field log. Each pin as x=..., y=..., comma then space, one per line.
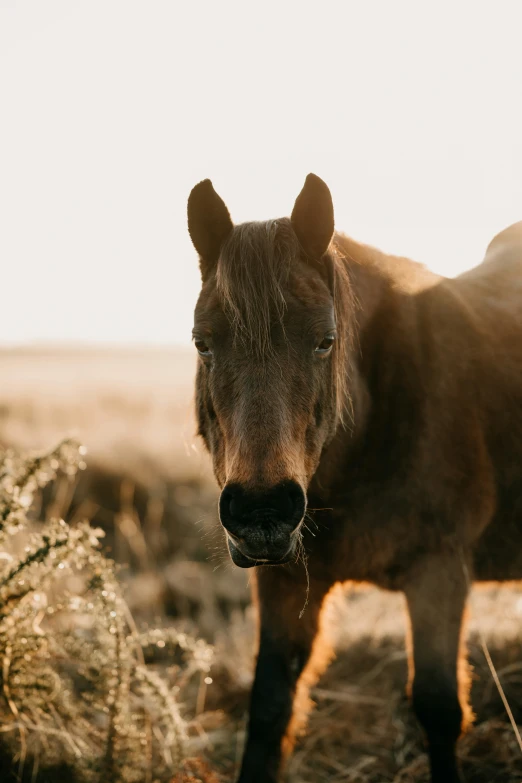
x=227, y=504
x=233, y=507
x=296, y=499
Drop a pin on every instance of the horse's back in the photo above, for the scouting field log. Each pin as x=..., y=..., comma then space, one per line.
x=492, y=291
x=505, y=249
x=501, y=268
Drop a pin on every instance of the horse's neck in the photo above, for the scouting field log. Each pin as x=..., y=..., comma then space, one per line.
x=375, y=274
x=386, y=318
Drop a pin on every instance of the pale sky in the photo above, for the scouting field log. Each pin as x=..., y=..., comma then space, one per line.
x=111, y=110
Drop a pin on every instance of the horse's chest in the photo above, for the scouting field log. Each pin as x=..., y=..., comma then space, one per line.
x=368, y=542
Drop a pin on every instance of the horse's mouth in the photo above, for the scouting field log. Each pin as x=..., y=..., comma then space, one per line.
x=243, y=560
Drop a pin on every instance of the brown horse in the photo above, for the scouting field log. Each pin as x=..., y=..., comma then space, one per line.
x=387, y=401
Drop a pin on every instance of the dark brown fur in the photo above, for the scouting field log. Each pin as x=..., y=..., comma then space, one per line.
x=407, y=439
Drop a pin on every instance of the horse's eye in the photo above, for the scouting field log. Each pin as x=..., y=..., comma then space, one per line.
x=202, y=348
x=326, y=344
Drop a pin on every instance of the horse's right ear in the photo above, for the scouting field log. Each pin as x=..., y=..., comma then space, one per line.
x=209, y=224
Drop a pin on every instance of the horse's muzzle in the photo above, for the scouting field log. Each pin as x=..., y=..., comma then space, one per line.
x=262, y=526
x=248, y=561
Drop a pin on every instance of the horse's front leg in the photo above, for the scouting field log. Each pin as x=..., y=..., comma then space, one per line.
x=292, y=654
x=436, y=594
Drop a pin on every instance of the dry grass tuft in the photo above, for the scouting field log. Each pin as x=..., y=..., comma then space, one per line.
x=196, y=771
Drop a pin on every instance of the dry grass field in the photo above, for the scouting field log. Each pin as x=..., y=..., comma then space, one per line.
x=149, y=486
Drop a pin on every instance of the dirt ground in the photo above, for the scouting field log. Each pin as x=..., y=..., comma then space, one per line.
x=149, y=485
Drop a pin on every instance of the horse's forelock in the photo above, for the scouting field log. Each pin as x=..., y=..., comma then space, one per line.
x=252, y=275
x=253, y=269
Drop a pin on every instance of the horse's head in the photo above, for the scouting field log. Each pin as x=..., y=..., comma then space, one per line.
x=271, y=368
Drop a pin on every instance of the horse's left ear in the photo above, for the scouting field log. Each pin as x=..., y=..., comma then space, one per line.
x=313, y=217
x=209, y=224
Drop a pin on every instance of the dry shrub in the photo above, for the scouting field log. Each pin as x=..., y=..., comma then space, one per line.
x=77, y=699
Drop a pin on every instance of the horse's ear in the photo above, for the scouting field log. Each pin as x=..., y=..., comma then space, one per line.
x=209, y=224
x=313, y=217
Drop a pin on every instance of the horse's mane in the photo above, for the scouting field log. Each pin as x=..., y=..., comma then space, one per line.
x=253, y=272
